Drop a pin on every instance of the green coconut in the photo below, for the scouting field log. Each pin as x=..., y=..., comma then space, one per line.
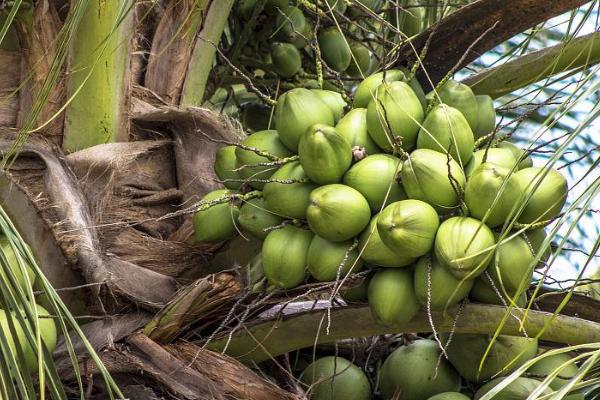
x=298, y=110
x=225, y=164
x=361, y=60
x=408, y=20
x=394, y=116
x=255, y=219
x=506, y=354
x=375, y=178
x=13, y=264
x=434, y=281
x=445, y=129
x=335, y=50
x=290, y=25
x=256, y=116
x=417, y=371
x=497, y=156
x=549, y=194
x=536, y=238
x=374, y=251
x=336, y=378
x=464, y=245
x=392, y=296
x=483, y=292
x=512, y=262
x=366, y=90
x=408, y=227
x=266, y=141
x=525, y=160
x=287, y=60
x=425, y=177
x=330, y=260
x=561, y=362
x=272, y=7
x=460, y=96
x=289, y=192
x=353, y=127
x=486, y=116
x=449, y=396
x=415, y=85
x=334, y=101
x=245, y=8
x=519, y=389
x=337, y=212
x=218, y=222
x=491, y=194
x=324, y=154
x=284, y=256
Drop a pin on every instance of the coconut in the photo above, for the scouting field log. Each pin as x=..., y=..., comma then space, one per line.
x=335, y=378
x=328, y=260
x=491, y=193
x=337, y=212
x=335, y=49
x=535, y=239
x=415, y=86
x=334, y=101
x=284, y=254
x=337, y=5
x=272, y=7
x=375, y=178
x=224, y=167
x=519, y=389
x=464, y=245
x=434, y=281
x=496, y=156
x=361, y=60
x=392, y=296
x=365, y=92
x=507, y=353
x=561, y=363
x=548, y=191
x=267, y=141
x=394, y=116
x=353, y=127
x=245, y=8
x=525, y=160
x=256, y=116
x=13, y=263
x=356, y=294
x=417, y=371
x=298, y=110
x=288, y=193
x=374, y=251
x=483, y=292
x=217, y=222
x=449, y=396
x=486, y=116
x=424, y=177
x=255, y=219
x=512, y=263
x=408, y=20
x=408, y=227
x=445, y=129
x=460, y=96
x=287, y=60
x=291, y=24
x=324, y=154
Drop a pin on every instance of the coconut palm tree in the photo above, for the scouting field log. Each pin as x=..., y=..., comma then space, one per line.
x=111, y=113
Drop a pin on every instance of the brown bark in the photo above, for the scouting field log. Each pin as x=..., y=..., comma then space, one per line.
x=10, y=76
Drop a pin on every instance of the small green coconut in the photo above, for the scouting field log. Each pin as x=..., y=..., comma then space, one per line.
x=272, y=7
x=449, y=396
x=286, y=58
x=425, y=177
x=548, y=190
x=436, y=285
x=519, y=389
x=445, y=129
x=380, y=191
x=506, y=354
x=336, y=378
x=335, y=49
x=284, y=255
x=486, y=116
x=465, y=246
x=374, y=251
x=298, y=110
x=491, y=194
x=483, y=292
x=408, y=227
x=217, y=222
x=394, y=116
x=536, y=238
x=549, y=365
x=288, y=193
x=392, y=296
x=417, y=371
x=522, y=157
x=290, y=24
x=337, y=212
x=496, y=156
x=366, y=90
x=255, y=219
x=353, y=127
x=328, y=260
x=408, y=20
x=324, y=154
x=334, y=101
x=225, y=164
x=266, y=141
x=460, y=96
x=13, y=263
x=361, y=60
x=513, y=262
